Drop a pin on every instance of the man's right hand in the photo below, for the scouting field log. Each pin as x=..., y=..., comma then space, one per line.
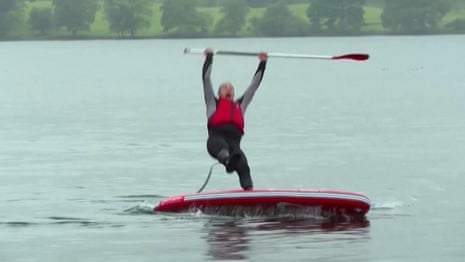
x=262, y=56
x=208, y=51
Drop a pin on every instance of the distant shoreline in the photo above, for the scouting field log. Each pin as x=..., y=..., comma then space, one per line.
x=99, y=28
x=171, y=37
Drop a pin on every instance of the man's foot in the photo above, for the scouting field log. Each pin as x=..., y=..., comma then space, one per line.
x=245, y=180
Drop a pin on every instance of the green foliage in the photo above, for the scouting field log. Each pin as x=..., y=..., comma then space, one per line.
x=456, y=3
x=233, y=19
x=413, y=16
x=278, y=20
x=372, y=20
x=7, y=5
x=352, y=17
x=183, y=17
x=9, y=16
x=128, y=15
x=41, y=19
x=211, y=3
x=317, y=12
x=336, y=16
x=261, y=3
x=376, y=3
x=196, y=18
x=75, y=15
x=458, y=25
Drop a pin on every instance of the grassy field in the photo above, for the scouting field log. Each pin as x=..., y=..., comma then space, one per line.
x=100, y=26
x=453, y=15
x=372, y=18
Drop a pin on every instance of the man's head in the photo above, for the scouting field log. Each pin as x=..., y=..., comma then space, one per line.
x=226, y=90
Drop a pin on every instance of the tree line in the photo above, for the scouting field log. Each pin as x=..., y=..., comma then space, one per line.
x=126, y=18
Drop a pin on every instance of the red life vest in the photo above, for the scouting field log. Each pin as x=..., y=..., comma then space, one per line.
x=227, y=112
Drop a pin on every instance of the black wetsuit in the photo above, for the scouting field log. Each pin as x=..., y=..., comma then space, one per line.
x=228, y=136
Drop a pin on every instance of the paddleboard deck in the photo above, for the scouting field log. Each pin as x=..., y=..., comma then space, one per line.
x=270, y=202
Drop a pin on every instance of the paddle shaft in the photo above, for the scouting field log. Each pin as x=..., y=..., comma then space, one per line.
x=356, y=57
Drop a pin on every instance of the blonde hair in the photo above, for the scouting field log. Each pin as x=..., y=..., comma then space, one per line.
x=223, y=85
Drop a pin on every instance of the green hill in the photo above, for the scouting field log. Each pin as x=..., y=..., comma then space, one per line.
x=100, y=27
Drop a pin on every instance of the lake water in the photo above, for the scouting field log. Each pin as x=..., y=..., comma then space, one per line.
x=93, y=134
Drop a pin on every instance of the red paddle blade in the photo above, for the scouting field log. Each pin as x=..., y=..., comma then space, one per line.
x=357, y=57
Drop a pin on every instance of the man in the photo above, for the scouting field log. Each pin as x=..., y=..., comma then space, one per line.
x=226, y=119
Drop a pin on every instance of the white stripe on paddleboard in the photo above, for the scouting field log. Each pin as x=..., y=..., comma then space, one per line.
x=276, y=194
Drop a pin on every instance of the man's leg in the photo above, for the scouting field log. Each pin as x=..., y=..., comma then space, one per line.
x=218, y=148
x=236, y=161
x=243, y=170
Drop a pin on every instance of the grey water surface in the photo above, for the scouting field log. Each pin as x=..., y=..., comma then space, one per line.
x=93, y=134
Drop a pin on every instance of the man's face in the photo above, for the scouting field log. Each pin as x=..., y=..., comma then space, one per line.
x=226, y=91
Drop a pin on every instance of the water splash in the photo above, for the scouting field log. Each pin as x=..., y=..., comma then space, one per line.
x=315, y=214
x=142, y=196
x=387, y=205
x=141, y=208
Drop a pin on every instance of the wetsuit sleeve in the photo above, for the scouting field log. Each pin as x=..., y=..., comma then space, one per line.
x=250, y=91
x=209, y=95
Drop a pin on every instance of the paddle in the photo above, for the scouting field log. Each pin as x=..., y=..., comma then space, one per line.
x=355, y=56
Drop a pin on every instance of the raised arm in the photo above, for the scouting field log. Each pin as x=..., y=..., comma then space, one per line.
x=209, y=95
x=246, y=98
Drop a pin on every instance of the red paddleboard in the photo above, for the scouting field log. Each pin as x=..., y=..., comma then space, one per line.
x=327, y=203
